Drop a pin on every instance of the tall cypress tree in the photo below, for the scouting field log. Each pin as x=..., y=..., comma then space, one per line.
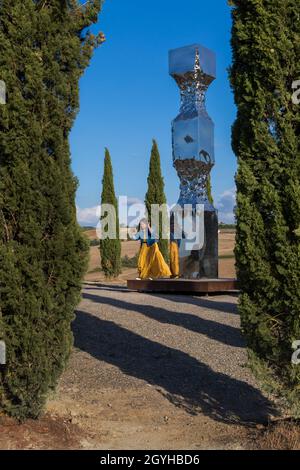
x=44, y=51
x=156, y=195
x=110, y=248
x=265, y=138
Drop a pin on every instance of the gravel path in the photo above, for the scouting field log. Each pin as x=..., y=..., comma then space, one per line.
x=159, y=371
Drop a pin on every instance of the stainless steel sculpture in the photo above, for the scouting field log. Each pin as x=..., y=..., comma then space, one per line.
x=194, y=68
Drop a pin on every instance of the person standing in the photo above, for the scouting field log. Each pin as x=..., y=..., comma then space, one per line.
x=151, y=263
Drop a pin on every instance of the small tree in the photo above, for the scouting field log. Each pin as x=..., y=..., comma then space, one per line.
x=266, y=140
x=156, y=195
x=110, y=248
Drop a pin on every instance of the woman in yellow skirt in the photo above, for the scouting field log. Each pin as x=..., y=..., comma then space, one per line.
x=151, y=263
x=174, y=248
x=174, y=258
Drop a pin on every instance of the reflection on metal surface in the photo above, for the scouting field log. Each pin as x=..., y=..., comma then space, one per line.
x=194, y=68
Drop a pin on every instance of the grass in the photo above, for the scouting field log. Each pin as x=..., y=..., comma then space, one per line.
x=126, y=262
x=129, y=262
x=227, y=226
x=96, y=270
x=281, y=435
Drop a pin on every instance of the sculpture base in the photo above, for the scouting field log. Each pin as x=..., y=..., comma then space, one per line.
x=209, y=259
x=184, y=286
x=203, y=263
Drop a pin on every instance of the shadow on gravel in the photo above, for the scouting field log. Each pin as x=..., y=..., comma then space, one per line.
x=183, y=380
x=200, y=301
x=225, y=334
x=99, y=286
x=222, y=306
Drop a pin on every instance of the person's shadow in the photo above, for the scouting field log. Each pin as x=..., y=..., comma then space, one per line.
x=182, y=379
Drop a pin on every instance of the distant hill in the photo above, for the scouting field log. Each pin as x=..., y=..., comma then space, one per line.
x=227, y=226
x=90, y=233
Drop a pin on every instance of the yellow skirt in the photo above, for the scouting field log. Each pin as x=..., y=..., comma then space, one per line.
x=174, y=259
x=151, y=262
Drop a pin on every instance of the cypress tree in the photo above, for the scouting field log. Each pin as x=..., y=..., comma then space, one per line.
x=265, y=138
x=44, y=51
x=110, y=248
x=156, y=195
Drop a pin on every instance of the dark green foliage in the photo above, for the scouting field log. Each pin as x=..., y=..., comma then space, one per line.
x=42, y=250
x=265, y=138
x=156, y=195
x=110, y=248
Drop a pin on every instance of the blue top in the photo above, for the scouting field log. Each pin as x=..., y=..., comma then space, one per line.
x=146, y=236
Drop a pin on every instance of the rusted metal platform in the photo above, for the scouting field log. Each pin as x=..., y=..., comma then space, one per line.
x=186, y=286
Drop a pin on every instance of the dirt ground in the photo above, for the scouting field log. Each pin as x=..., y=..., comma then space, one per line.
x=154, y=372
x=150, y=372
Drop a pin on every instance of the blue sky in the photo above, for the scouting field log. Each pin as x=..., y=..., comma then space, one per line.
x=127, y=98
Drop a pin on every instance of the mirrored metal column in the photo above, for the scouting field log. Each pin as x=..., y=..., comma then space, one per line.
x=194, y=68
